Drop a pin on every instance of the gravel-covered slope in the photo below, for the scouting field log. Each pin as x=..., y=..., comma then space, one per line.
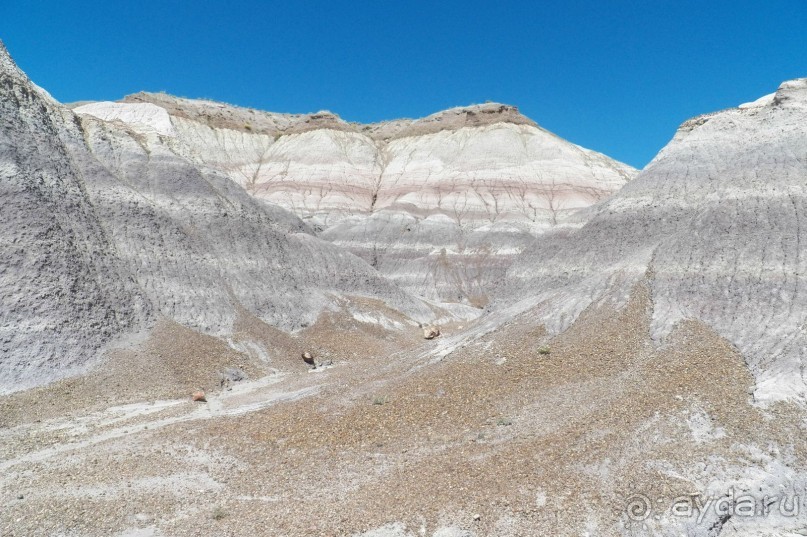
x=716, y=220
x=104, y=228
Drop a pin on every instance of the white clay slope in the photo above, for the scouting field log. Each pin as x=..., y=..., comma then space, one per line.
x=141, y=116
x=440, y=205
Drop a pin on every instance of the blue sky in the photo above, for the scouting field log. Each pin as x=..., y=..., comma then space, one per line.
x=616, y=76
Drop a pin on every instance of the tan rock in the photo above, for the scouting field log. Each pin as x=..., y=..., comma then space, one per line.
x=431, y=332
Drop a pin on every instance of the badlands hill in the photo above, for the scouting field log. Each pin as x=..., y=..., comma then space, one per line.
x=105, y=231
x=641, y=354
x=439, y=205
x=714, y=222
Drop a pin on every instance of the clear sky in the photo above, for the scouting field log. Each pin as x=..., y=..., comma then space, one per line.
x=617, y=76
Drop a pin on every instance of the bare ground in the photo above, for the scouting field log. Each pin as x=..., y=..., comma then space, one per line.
x=514, y=434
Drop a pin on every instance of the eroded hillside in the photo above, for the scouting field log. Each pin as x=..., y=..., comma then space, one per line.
x=440, y=205
x=204, y=363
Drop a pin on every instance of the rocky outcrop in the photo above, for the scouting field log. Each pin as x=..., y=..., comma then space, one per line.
x=440, y=205
x=104, y=227
x=715, y=221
